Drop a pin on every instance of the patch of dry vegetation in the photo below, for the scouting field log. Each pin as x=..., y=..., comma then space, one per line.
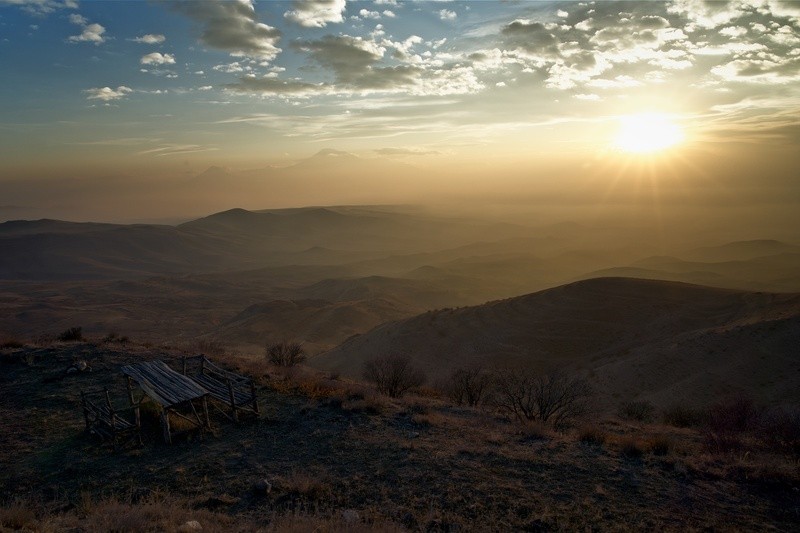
x=336, y=455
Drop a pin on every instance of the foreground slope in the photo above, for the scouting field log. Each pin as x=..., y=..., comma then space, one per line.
x=634, y=338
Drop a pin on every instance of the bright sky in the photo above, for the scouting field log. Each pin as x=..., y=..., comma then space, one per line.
x=134, y=85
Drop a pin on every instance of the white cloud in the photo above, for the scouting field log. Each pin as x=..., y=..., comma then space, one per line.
x=233, y=27
x=92, y=33
x=41, y=7
x=447, y=14
x=107, y=94
x=316, y=13
x=367, y=14
x=156, y=58
x=389, y=14
x=150, y=38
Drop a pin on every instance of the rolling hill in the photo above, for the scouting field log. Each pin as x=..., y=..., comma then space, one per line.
x=635, y=338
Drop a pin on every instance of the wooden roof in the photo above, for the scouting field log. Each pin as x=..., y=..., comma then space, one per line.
x=163, y=384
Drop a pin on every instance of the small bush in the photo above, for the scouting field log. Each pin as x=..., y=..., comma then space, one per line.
x=557, y=399
x=71, y=335
x=632, y=447
x=733, y=416
x=10, y=342
x=17, y=515
x=285, y=353
x=113, y=336
x=469, y=386
x=721, y=442
x=780, y=429
x=641, y=411
x=210, y=347
x=393, y=375
x=682, y=416
x=592, y=435
x=660, y=445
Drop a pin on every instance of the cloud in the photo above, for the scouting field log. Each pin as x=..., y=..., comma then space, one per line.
x=156, y=58
x=232, y=26
x=316, y=13
x=41, y=7
x=176, y=149
x=107, y=94
x=150, y=39
x=447, y=14
x=349, y=57
x=91, y=33
x=273, y=85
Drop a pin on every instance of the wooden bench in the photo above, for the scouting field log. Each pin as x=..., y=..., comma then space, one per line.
x=236, y=392
x=108, y=423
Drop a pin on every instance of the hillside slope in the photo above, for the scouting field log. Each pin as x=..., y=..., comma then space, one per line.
x=654, y=339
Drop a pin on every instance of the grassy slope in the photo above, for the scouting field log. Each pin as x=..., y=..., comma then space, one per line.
x=328, y=447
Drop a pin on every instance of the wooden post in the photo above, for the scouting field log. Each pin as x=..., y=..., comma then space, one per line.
x=136, y=411
x=255, y=398
x=205, y=412
x=165, y=425
x=85, y=411
x=233, y=400
x=113, y=418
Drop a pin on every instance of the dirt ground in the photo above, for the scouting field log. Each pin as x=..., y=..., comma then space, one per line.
x=333, y=449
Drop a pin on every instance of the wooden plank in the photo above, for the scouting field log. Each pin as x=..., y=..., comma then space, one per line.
x=163, y=384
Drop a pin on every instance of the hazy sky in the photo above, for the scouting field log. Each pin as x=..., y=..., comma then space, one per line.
x=144, y=88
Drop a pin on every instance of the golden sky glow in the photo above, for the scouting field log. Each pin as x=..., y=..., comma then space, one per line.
x=647, y=132
x=450, y=99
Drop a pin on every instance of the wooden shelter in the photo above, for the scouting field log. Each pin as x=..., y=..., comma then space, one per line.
x=235, y=392
x=173, y=392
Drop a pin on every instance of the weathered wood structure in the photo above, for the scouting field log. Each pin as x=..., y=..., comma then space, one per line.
x=108, y=423
x=235, y=392
x=173, y=392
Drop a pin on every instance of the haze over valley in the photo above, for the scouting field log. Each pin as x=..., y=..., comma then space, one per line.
x=399, y=265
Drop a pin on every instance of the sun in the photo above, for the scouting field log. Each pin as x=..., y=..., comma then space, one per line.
x=646, y=133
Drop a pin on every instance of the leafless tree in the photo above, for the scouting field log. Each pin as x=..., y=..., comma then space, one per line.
x=393, y=374
x=555, y=398
x=469, y=385
x=285, y=353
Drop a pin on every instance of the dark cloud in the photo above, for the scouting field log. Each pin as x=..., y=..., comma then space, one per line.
x=231, y=26
x=272, y=85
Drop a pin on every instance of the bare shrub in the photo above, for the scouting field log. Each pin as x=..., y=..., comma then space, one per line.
x=734, y=415
x=592, y=435
x=10, y=342
x=660, y=445
x=17, y=515
x=682, y=416
x=780, y=429
x=557, y=399
x=210, y=347
x=285, y=353
x=641, y=411
x=727, y=421
x=393, y=374
x=71, y=335
x=469, y=386
x=632, y=447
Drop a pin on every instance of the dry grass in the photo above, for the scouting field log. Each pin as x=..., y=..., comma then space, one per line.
x=632, y=447
x=592, y=435
x=10, y=342
x=660, y=444
x=17, y=515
